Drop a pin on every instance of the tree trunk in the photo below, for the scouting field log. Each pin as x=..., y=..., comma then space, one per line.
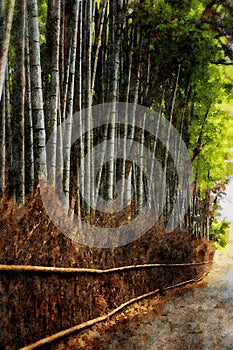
x=53, y=30
x=8, y=133
x=3, y=144
x=165, y=185
x=37, y=93
x=68, y=130
x=29, y=152
x=99, y=31
x=89, y=176
x=2, y=114
x=5, y=42
x=115, y=29
x=18, y=122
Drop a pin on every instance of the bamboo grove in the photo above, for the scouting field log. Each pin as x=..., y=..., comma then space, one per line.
x=62, y=57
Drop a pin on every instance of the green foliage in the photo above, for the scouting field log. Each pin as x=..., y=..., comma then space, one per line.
x=42, y=11
x=176, y=34
x=212, y=128
x=192, y=34
x=219, y=232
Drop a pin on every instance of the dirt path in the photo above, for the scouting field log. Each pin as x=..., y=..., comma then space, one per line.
x=195, y=318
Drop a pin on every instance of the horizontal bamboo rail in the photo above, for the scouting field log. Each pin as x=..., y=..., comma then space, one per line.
x=48, y=269
x=81, y=326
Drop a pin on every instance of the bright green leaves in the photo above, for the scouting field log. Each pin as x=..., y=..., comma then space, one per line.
x=159, y=11
x=42, y=11
x=189, y=33
x=196, y=10
x=219, y=232
x=211, y=130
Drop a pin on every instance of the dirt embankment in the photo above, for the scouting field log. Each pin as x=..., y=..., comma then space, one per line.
x=35, y=305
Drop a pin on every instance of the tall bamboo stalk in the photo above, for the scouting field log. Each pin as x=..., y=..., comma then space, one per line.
x=68, y=129
x=5, y=42
x=9, y=156
x=54, y=31
x=37, y=91
x=18, y=119
x=89, y=169
x=80, y=165
x=3, y=144
x=2, y=113
x=99, y=30
x=29, y=147
x=165, y=187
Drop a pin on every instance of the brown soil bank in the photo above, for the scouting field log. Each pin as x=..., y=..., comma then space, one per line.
x=34, y=305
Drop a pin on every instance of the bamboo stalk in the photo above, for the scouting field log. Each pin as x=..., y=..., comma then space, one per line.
x=99, y=319
x=70, y=105
x=99, y=43
x=4, y=45
x=64, y=333
x=51, y=269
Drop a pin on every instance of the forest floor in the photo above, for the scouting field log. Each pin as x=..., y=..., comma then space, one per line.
x=194, y=317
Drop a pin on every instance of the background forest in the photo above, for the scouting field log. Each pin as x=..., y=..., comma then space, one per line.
x=60, y=57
